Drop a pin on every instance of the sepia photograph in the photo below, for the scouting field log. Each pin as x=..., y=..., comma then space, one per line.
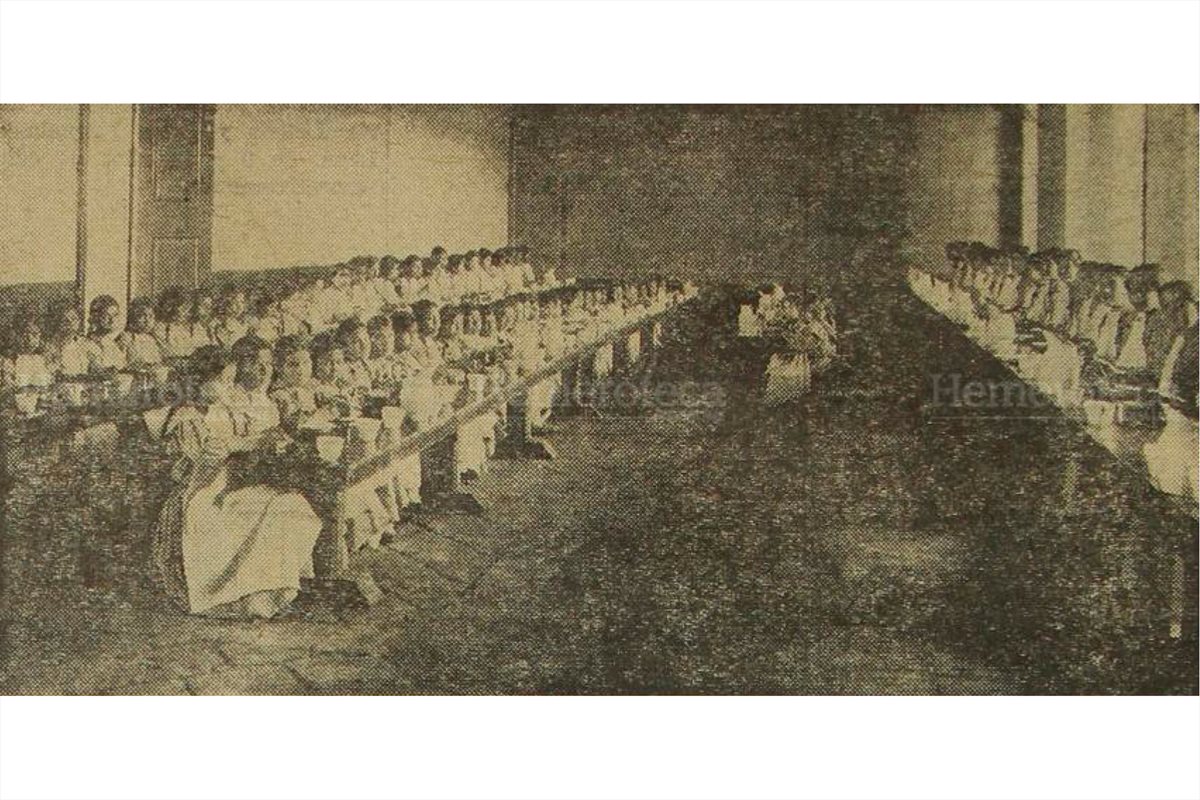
x=568, y=397
x=600, y=399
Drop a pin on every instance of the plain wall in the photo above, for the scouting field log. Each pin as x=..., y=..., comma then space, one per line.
x=734, y=193
x=39, y=148
x=952, y=184
x=302, y=185
x=1172, y=213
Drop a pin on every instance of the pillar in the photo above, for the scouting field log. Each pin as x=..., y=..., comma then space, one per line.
x=1029, y=176
x=1171, y=212
x=1051, y=176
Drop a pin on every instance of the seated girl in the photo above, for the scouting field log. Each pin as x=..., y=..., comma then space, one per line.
x=453, y=348
x=330, y=391
x=427, y=348
x=472, y=275
x=225, y=547
x=293, y=389
x=105, y=354
x=173, y=330
x=142, y=352
x=264, y=319
x=355, y=342
x=411, y=285
x=454, y=283
x=228, y=324
x=383, y=284
x=472, y=329
x=406, y=337
x=491, y=278
x=24, y=365
x=526, y=271
x=381, y=364
x=200, y=319
x=67, y=350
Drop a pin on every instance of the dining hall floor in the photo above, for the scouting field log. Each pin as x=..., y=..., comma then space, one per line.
x=858, y=541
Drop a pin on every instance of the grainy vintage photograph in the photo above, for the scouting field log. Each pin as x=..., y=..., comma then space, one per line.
x=598, y=399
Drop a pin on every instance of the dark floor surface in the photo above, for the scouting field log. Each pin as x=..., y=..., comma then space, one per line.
x=862, y=540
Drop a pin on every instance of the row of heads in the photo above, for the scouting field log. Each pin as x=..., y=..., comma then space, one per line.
x=1066, y=265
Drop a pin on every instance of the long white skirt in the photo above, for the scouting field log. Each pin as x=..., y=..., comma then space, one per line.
x=243, y=542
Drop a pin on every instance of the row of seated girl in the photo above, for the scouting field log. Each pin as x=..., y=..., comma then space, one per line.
x=158, y=332
x=1096, y=336
x=231, y=546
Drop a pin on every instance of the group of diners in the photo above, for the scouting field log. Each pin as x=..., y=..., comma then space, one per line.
x=802, y=331
x=330, y=372
x=161, y=331
x=1118, y=344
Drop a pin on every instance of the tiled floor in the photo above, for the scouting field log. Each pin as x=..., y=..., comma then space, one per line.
x=855, y=542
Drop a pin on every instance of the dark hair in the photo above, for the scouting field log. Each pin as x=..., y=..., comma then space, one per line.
x=169, y=303
x=377, y=323
x=138, y=306
x=323, y=344
x=286, y=345
x=52, y=321
x=423, y=308
x=225, y=298
x=207, y=362
x=263, y=300
x=100, y=303
x=248, y=346
x=402, y=322
x=197, y=296
x=347, y=328
x=437, y=251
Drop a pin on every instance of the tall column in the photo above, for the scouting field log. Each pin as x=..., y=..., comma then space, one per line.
x=1009, y=164
x=1171, y=192
x=1051, y=176
x=1029, y=176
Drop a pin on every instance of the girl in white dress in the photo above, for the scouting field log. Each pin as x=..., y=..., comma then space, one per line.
x=228, y=324
x=222, y=549
x=67, y=351
x=105, y=354
x=142, y=351
x=173, y=331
